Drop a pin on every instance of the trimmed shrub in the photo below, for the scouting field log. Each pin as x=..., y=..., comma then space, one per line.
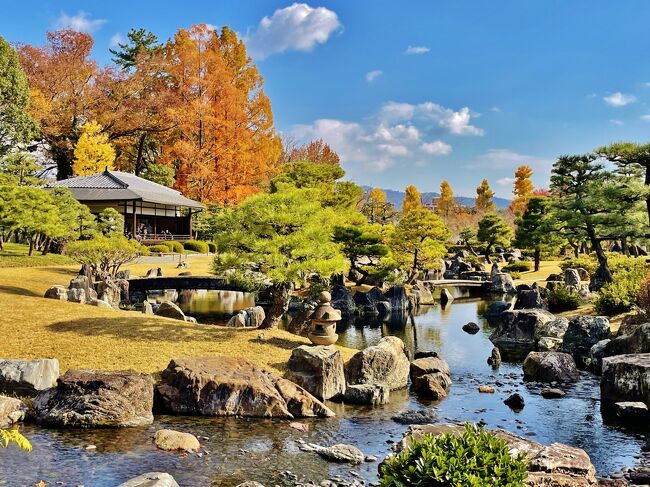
x=212, y=247
x=621, y=294
x=159, y=249
x=519, y=266
x=515, y=275
x=107, y=254
x=475, y=458
x=617, y=263
x=197, y=246
x=587, y=262
x=175, y=247
x=563, y=298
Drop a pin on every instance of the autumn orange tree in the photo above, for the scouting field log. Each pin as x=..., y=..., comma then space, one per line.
x=522, y=189
x=63, y=93
x=412, y=199
x=484, y=202
x=313, y=151
x=223, y=145
x=446, y=204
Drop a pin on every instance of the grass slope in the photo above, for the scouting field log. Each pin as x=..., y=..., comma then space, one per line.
x=87, y=337
x=15, y=255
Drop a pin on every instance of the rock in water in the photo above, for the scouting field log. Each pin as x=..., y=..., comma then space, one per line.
x=167, y=309
x=151, y=479
x=27, y=377
x=340, y=453
x=367, y=394
x=637, y=341
x=416, y=417
x=502, y=283
x=171, y=440
x=95, y=398
x=226, y=386
x=550, y=367
x=430, y=377
x=471, y=328
x=583, y=333
x=12, y=411
x=495, y=357
x=515, y=333
x=552, y=393
x=529, y=299
x=515, y=402
x=318, y=369
x=626, y=378
x=446, y=297
x=428, y=365
x=385, y=362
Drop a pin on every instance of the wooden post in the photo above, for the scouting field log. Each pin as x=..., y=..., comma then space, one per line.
x=190, y=222
x=134, y=221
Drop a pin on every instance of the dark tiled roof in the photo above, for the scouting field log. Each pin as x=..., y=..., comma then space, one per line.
x=122, y=186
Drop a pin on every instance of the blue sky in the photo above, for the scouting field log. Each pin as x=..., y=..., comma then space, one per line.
x=484, y=87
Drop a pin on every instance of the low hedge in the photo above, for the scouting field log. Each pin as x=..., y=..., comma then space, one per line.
x=212, y=247
x=159, y=249
x=519, y=266
x=197, y=246
x=175, y=247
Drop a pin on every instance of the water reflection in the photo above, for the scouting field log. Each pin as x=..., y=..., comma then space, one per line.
x=206, y=305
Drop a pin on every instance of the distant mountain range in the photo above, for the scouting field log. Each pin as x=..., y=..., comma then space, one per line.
x=396, y=198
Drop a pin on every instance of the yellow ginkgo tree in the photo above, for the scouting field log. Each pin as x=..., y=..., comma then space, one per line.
x=93, y=152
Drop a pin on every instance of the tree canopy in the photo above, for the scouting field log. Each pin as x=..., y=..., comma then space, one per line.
x=492, y=231
x=412, y=199
x=92, y=153
x=484, y=202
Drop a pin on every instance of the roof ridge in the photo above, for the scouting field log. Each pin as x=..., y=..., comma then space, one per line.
x=115, y=178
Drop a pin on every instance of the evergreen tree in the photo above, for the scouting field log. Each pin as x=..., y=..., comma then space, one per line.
x=362, y=242
x=446, y=204
x=412, y=199
x=159, y=174
x=493, y=231
x=285, y=236
x=523, y=189
x=376, y=207
x=537, y=228
x=110, y=222
x=419, y=240
x=16, y=125
x=484, y=202
x=20, y=169
x=93, y=153
x=141, y=42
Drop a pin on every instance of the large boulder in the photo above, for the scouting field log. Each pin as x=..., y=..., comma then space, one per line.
x=550, y=367
x=572, y=279
x=583, y=333
x=529, y=299
x=343, y=301
x=430, y=377
x=57, y=292
x=226, y=386
x=250, y=318
x=397, y=298
x=151, y=479
x=515, y=333
x=554, y=329
x=27, y=377
x=97, y=399
x=555, y=465
x=428, y=365
x=110, y=291
x=502, y=283
x=626, y=378
x=385, y=362
x=12, y=411
x=317, y=369
x=426, y=297
x=167, y=309
x=83, y=282
x=638, y=341
x=77, y=295
x=494, y=310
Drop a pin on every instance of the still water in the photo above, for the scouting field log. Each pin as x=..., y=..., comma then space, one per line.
x=250, y=449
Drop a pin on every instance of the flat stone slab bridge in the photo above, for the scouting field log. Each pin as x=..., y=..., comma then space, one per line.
x=440, y=283
x=180, y=283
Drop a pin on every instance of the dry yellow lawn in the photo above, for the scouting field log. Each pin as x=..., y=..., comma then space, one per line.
x=546, y=268
x=83, y=336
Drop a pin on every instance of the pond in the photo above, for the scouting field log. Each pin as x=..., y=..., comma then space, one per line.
x=250, y=449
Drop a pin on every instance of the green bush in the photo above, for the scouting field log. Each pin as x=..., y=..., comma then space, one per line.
x=196, y=246
x=476, y=458
x=175, y=247
x=515, y=275
x=212, y=247
x=587, y=262
x=159, y=249
x=621, y=294
x=519, y=266
x=617, y=263
x=563, y=298
x=107, y=254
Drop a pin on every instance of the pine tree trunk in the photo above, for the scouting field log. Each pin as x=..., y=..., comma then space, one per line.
x=538, y=254
x=280, y=295
x=603, y=274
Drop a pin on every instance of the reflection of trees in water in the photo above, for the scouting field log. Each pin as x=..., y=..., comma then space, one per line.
x=216, y=303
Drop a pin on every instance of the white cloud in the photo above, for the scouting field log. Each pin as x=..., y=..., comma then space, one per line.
x=495, y=109
x=398, y=134
x=373, y=75
x=116, y=39
x=614, y=121
x=645, y=118
x=505, y=181
x=81, y=22
x=619, y=99
x=417, y=50
x=436, y=148
x=448, y=120
x=298, y=27
x=509, y=159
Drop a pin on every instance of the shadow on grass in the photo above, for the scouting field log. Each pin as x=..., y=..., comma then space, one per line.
x=19, y=291
x=279, y=342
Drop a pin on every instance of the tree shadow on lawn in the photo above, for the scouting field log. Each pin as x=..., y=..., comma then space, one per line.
x=19, y=291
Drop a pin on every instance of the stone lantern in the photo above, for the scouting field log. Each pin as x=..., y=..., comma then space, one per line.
x=323, y=321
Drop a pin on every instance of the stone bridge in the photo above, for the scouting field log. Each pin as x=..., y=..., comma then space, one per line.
x=180, y=283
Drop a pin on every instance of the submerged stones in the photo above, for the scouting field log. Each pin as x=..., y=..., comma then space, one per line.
x=151, y=479
x=225, y=386
x=171, y=440
x=550, y=367
x=385, y=362
x=375, y=394
x=515, y=334
x=515, y=402
x=94, y=398
x=27, y=377
x=413, y=416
